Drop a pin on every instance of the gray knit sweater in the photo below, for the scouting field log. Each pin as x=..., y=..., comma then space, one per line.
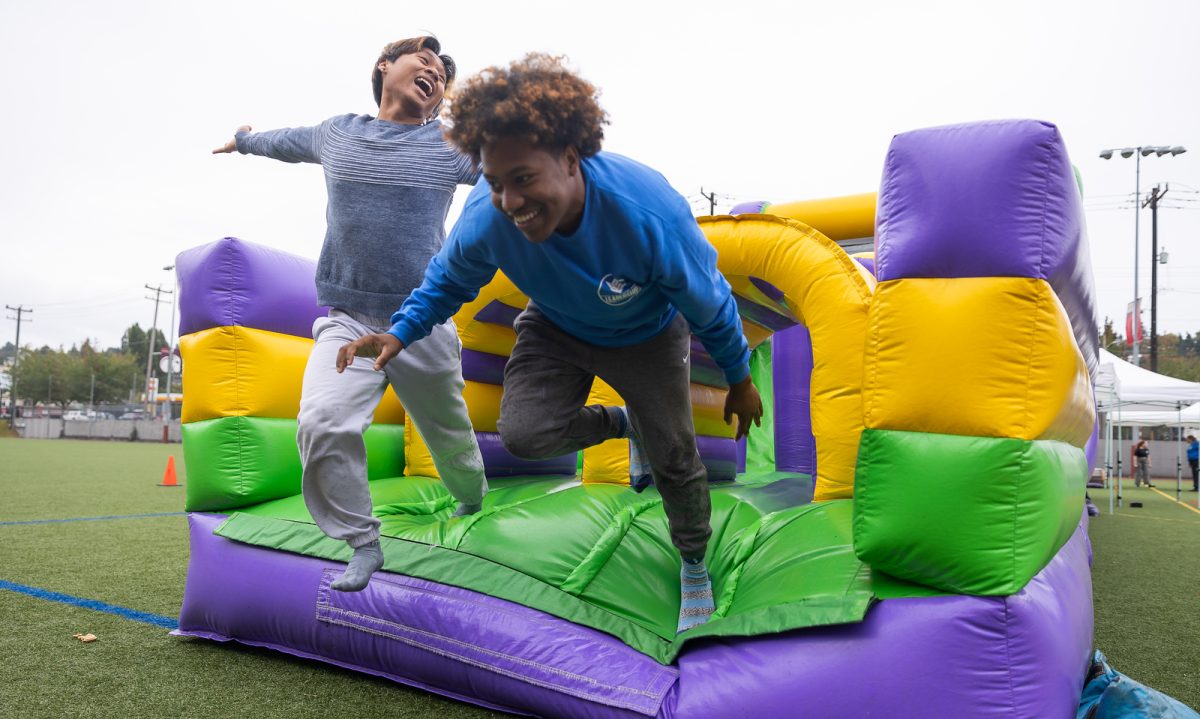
x=389, y=187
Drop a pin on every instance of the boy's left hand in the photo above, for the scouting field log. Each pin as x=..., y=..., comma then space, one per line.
x=743, y=400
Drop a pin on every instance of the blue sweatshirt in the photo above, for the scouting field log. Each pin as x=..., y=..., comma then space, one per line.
x=636, y=259
x=389, y=186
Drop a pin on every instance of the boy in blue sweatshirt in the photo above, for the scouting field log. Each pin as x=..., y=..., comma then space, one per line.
x=618, y=275
x=390, y=180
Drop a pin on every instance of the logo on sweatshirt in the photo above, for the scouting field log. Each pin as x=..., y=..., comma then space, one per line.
x=616, y=290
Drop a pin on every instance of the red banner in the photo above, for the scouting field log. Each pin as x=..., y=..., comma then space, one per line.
x=1132, y=310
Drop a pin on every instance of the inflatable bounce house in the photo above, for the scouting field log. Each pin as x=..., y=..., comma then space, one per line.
x=905, y=538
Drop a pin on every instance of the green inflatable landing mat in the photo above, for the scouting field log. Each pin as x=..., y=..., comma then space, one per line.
x=600, y=555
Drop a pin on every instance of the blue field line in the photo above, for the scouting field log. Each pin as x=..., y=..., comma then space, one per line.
x=146, y=617
x=94, y=519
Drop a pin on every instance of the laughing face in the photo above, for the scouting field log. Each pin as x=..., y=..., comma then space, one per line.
x=540, y=191
x=416, y=82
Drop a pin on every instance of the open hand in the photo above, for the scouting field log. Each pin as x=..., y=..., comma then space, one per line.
x=383, y=347
x=231, y=146
x=743, y=400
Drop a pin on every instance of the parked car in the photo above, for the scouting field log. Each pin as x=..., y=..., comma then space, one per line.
x=76, y=415
x=132, y=415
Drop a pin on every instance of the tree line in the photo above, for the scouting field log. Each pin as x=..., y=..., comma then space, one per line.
x=86, y=374
x=118, y=374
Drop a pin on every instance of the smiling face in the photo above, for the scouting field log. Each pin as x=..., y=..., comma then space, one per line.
x=540, y=190
x=414, y=84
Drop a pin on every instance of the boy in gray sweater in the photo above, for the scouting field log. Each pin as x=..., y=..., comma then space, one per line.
x=390, y=180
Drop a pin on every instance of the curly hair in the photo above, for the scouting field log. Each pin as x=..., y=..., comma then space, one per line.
x=535, y=98
x=410, y=46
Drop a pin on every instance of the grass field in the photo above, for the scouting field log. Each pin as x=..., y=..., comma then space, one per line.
x=1146, y=579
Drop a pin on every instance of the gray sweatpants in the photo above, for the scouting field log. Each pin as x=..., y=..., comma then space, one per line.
x=542, y=414
x=335, y=410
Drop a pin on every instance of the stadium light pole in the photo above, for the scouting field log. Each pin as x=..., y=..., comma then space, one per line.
x=1138, y=153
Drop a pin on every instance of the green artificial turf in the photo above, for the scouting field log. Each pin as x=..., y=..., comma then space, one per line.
x=1146, y=581
x=1146, y=588
x=137, y=669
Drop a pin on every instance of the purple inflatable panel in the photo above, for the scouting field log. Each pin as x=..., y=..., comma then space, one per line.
x=950, y=656
x=867, y=262
x=499, y=462
x=954, y=656
x=719, y=456
x=791, y=367
x=756, y=207
x=483, y=367
x=231, y=282
x=987, y=199
x=443, y=639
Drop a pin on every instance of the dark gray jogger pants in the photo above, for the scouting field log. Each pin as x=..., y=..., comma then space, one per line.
x=542, y=414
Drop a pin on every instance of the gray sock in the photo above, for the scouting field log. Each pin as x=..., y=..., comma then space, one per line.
x=366, y=561
x=464, y=509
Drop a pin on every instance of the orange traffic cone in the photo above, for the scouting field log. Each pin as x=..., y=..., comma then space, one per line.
x=169, y=479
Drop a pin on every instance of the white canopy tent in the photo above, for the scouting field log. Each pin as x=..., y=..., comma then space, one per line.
x=1129, y=396
x=1124, y=386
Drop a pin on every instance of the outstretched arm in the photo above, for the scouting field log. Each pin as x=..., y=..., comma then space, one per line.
x=231, y=146
x=290, y=144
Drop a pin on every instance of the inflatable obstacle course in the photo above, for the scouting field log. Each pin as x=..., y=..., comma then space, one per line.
x=931, y=561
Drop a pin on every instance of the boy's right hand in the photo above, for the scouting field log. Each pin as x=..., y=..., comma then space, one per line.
x=231, y=146
x=383, y=347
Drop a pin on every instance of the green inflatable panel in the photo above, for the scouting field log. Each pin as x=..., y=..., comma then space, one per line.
x=760, y=443
x=600, y=555
x=970, y=515
x=236, y=461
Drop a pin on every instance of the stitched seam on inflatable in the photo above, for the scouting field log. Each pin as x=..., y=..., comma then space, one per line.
x=607, y=544
x=331, y=619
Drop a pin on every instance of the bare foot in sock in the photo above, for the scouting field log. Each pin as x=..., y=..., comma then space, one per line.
x=366, y=561
x=465, y=509
x=696, y=601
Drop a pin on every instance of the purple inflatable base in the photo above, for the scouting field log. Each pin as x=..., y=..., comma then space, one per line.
x=1023, y=655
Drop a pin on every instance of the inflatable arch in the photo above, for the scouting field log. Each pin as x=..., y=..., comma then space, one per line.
x=942, y=571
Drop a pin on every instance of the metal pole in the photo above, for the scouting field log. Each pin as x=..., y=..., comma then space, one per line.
x=171, y=364
x=1179, y=455
x=1153, y=202
x=168, y=406
x=150, y=345
x=1108, y=459
x=1137, y=211
x=1120, y=453
x=12, y=390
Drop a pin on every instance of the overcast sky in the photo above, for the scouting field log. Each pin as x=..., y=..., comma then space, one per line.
x=113, y=107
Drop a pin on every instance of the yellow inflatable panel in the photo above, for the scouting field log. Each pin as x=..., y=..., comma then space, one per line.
x=483, y=404
x=825, y=290
x=755, y=333
x=241, y=371
x=418, y=462
x=483, y=407
x=608, y=462
x=839, y=218
x=708, y=412
x=981, y=357
x=486, y=336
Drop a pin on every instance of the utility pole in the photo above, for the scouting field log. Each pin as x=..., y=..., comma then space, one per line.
x=157, y=298
x=1152, y=202
x=12, y=391
x=712, y=201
